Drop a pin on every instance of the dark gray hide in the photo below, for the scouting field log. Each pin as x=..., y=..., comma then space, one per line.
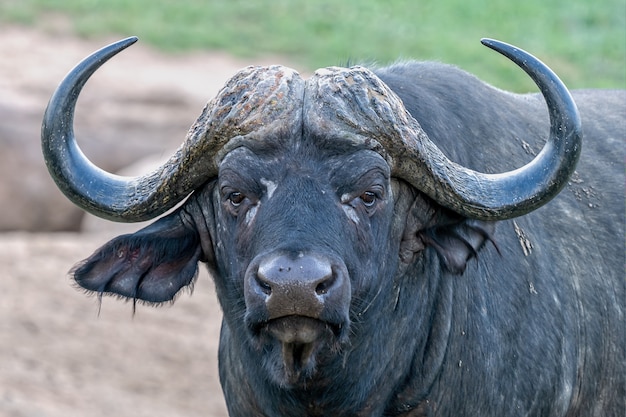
x=350, y=289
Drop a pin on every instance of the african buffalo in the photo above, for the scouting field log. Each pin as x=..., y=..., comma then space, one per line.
x=375, y=250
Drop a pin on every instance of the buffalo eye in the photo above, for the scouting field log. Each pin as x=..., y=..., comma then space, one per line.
x=368, y=198
x=236, y=198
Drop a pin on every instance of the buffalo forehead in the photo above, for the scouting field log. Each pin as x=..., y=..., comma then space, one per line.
x=341, y=108
x=339, y=167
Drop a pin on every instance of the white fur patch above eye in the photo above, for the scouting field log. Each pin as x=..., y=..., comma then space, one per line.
x=269, y=186
x=351, y=213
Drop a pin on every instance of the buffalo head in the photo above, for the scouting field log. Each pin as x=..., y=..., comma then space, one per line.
x=305, y=198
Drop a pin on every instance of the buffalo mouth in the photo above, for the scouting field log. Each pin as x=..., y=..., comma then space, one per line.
x=301, y=341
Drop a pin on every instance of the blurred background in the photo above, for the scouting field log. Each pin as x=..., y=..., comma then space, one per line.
x=64, y=354
x=582, y=40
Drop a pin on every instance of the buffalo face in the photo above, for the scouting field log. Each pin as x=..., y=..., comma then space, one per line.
x=300, y=237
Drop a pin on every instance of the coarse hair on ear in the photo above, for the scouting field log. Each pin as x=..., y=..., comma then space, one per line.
x=455, y=238
x=151, y=265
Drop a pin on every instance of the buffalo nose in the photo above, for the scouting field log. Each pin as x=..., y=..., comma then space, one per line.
x=295, y=285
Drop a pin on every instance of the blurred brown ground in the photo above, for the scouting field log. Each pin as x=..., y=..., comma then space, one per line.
x=61, y=355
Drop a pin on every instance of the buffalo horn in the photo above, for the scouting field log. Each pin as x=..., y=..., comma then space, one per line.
x=355, y=102
x=233, y=114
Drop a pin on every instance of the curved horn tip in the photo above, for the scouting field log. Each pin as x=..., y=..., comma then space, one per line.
x=497, y=45
x=124, y=43
x=488, y=41
x=112, y=49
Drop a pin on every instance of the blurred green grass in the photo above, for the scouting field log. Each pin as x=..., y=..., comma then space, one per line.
x=583, y=41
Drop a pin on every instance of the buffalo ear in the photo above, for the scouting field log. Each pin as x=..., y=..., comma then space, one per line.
x=458, y=242
x=455, y=238
x=151, y=265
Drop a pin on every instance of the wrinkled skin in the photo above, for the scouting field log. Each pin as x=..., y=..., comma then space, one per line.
x=445, y=316
x=288, y=222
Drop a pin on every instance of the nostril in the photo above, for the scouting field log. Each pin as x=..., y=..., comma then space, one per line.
x=323, y=287
x=264, y=286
